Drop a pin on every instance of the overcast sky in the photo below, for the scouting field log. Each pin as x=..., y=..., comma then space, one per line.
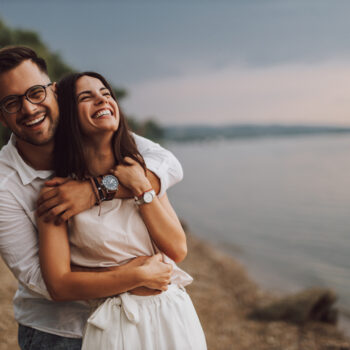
x=212, y=62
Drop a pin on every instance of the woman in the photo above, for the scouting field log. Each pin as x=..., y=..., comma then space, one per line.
x=93, y=139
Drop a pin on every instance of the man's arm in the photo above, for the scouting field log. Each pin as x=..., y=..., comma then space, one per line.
x=64, y=198
x=19, y=244
x=19, y=248
x=161, y=162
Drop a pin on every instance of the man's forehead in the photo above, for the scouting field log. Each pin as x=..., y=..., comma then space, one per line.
x=17, y=80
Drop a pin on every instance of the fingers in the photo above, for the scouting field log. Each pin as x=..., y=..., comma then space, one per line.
x=56, y=181
x=54, y=213
x=161, y=284
x=129, y=161
x=47, y=205
x=46, y=194
x=158, y=257
x=66, y=216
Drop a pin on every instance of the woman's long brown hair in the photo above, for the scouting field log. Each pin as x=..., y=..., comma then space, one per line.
x=69, y=155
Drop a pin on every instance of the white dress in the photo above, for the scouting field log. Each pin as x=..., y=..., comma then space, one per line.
x=167, y=321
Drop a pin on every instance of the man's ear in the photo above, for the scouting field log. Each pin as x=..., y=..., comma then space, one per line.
x=2, y=119
x=54, y=88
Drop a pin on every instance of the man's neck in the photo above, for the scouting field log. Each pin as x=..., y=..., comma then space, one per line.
x=38, y=157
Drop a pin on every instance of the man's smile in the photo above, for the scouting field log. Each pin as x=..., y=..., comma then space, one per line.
x=35, y=121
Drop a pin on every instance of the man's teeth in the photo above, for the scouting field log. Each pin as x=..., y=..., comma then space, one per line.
x=101, y=113
x=35, y=121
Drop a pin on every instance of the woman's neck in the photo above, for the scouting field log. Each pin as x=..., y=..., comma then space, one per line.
x=100, y=156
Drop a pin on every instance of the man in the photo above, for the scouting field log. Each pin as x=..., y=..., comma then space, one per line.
x=28, y=107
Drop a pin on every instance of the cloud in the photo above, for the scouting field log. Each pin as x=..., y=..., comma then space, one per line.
x=317, y=93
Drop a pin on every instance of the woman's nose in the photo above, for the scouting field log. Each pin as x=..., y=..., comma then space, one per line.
x=101, y=99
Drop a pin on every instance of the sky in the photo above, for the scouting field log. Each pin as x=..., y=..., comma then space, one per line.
x=206, y=62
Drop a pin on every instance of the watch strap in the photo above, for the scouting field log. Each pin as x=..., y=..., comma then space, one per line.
x=140, y=201
x=109, y=196
x=141, y=195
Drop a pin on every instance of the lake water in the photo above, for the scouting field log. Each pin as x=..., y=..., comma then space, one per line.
x=280, y=205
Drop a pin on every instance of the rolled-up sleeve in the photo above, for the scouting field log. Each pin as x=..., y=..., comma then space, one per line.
x=19, y=244
x=161, y=162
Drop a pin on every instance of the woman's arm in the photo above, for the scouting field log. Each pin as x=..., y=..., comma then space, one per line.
x=165, y=227
x=63, y=284
x=158, y=216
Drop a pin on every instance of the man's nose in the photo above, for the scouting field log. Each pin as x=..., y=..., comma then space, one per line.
x=27, y=106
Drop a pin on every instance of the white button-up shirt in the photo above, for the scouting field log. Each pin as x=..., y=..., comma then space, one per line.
x=19, y=188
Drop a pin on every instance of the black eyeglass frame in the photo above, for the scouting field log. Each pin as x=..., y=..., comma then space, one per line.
x=19, y=97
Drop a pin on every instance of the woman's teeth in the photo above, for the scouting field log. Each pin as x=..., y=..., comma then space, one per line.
x=101, y=113
x=35, y=121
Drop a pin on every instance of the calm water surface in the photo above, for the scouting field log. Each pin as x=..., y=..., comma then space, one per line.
x=281, y=205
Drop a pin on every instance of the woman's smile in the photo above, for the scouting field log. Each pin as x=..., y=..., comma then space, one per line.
x=97, y=109
x=102, y=113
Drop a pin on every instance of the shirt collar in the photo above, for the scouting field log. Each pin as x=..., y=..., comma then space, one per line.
x=25, y=171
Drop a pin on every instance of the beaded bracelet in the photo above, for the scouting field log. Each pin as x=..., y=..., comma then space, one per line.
x=94, y=188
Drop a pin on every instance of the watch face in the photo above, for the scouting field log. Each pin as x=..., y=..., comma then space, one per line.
x=148, y=197
x=110, y=182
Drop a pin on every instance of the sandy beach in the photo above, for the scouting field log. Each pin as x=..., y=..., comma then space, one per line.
x=223, y=295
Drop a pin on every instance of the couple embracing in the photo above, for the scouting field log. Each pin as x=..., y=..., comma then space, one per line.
x=85, y=222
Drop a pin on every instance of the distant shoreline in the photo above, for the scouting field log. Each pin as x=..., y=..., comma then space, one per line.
x=242, y=131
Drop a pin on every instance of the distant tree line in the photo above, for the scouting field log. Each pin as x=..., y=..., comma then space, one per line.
x=57, y=68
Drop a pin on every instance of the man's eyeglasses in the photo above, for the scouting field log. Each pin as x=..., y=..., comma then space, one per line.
x=35, y=94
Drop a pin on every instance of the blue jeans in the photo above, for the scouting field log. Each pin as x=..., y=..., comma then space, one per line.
x=32, y=339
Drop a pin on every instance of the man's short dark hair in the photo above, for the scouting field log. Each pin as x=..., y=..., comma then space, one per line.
x=13, y=56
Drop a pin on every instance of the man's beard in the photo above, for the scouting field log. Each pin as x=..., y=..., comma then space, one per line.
x=34, y=141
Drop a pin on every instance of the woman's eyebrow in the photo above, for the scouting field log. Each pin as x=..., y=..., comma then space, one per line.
x=84, y=92
x=89, y=91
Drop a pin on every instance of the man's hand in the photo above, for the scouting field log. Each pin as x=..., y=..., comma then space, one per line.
x=154, y=267
x=157, y=274
x=62, y=198
x=144, y=291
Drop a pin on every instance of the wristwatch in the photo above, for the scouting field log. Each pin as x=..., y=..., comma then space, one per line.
x=145, y=198
x=109, y=184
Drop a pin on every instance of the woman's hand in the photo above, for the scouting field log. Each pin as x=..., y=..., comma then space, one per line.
x=132, y=175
